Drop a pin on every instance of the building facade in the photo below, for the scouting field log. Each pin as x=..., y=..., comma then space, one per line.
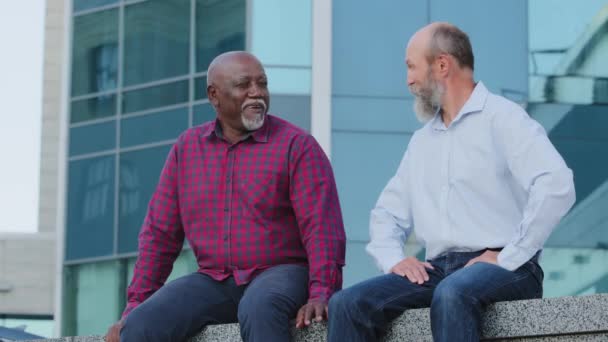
x=136, y=78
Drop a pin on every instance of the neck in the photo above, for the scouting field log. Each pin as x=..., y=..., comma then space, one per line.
x=233, y=135
x=456, y=95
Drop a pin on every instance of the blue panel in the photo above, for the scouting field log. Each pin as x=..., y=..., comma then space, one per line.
x=156, y=40
x=92, y=138
x=153, y=127
x=139, y=172
x=95, y=52
x=295, y=109
x=200, y=88
x=203, y=113
x=281, y=32
x=499, y=34
x=156, y=96
x=369, y=43
x=359, y=265
x=363, y=164
x=93, y=108
x=288, y=80
x=90, y=226
x=220, y=27
x=374, y=114
x=81, y=5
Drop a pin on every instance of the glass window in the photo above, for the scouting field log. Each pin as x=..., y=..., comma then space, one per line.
x=157, y=40
x=220, y=27
x=567, y=98
x=93, y=108
x=153, y=97
x=139, y=173
x=282, y=31
x=90, y=226
x=295, y=109
x=81, y=5
x=149, y=128
x=184, y=264
x=95, y=52
x=288, y=81
x=203, y=113
x=200, y=88
x=93, y=138
x=97, y=297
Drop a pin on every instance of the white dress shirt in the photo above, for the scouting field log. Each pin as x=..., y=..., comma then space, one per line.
x=492, y=179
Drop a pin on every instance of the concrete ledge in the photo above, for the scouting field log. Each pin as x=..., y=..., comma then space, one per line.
x=583, y=318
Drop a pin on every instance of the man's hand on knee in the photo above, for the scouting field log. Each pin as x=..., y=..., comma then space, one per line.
x=413, y=269
x=316, y=309
x=113, y=334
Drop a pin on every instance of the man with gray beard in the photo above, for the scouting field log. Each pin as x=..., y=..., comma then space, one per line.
x=480, y=184
x=255, y=198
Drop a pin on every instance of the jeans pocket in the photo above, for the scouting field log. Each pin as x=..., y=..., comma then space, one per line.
x=534, y=269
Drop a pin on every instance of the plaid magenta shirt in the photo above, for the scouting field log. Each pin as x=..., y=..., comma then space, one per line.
x=269, y=199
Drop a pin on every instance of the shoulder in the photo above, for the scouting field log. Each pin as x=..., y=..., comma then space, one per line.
x=501, y=109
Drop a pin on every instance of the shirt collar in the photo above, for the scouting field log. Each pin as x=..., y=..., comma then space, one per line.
x=260, y=135
x=475, y=103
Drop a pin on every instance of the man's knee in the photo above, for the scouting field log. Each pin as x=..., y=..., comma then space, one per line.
x=449, y=293
x=137, y=327
x=264, y=307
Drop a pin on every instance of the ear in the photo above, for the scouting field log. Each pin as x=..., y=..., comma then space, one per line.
x=212, y=95
x=443, y=64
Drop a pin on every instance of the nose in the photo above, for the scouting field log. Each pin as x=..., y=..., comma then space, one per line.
x=409, y=80
x=255, y=91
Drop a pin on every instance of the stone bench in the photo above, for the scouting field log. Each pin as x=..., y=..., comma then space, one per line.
x=583, y=318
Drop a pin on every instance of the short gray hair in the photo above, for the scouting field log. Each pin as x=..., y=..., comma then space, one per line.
x=451, y=40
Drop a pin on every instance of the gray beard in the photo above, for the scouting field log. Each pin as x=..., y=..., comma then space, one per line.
x=427, y=102
x=253, y=124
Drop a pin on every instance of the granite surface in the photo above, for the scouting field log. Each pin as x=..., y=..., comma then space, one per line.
x=583, y=318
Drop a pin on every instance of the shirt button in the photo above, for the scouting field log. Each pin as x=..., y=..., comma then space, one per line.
x=226, y=209
x=226, y=237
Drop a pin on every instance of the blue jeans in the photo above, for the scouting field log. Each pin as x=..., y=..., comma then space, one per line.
x=457, y=297
x=183, y=307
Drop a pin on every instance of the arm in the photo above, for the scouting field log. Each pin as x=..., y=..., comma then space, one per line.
x=390, y=222
x=314, y=198
x=538, y=168
x=161, y=237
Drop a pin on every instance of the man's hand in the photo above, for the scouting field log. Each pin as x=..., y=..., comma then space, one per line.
x=314, y=308
x=413, y=269
x=113, y=334
x=490, y=257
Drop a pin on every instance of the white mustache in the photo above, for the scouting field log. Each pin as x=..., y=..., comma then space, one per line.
x=254, y=102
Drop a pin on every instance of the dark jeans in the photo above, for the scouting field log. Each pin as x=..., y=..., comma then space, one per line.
x=456, y=295
x=183, y=307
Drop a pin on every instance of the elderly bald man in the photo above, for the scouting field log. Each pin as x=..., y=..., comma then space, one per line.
x=482, y=187
x=256, y=199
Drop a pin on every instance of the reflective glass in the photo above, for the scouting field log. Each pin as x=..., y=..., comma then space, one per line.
x=153, y=97
x=93, y=138
x=90, y=221
x=281, y=32
x=220, y=27
x=156, y=42
x=568, y=96
x=200, y=88
x=93, y=108
x=154, y=127
x=95, y=52
x=139, y=173
x=81, y=5
x=203, y=113
x=97, y=299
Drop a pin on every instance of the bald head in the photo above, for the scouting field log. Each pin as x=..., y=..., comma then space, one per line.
x=227, y=62
x=443, y=38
